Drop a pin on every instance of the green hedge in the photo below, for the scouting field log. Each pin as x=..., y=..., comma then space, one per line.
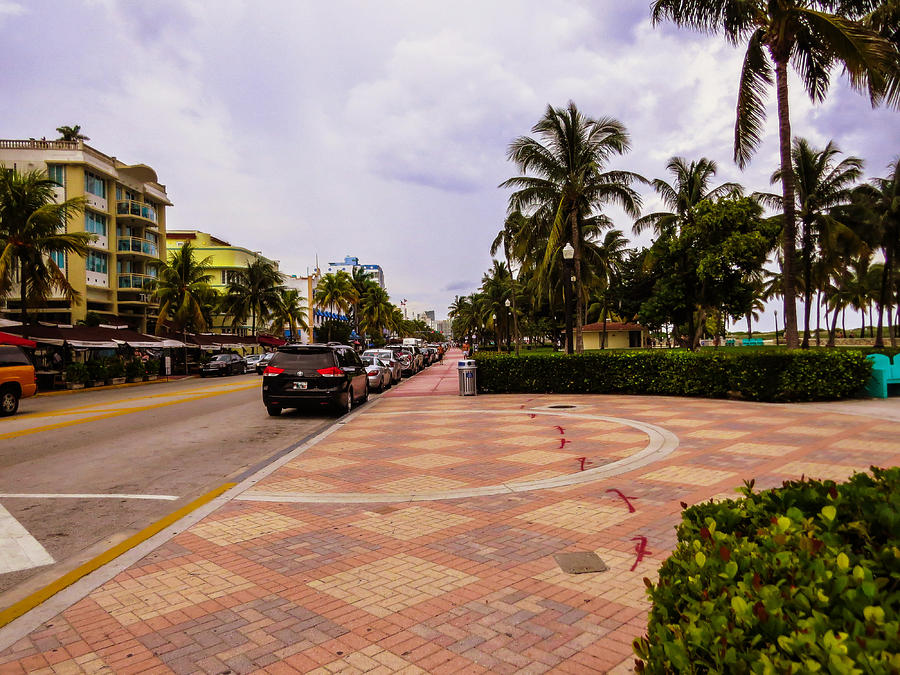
x=754, y=374
x=804, y=578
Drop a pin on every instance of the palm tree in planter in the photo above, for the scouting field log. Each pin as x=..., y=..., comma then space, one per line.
x=812, y=35
x=72, y=133
x=33, y=237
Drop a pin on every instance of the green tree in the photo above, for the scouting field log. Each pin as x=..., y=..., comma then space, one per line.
x=32, y=229
x=335, y=291
x=253, y=292
x=289, y=310
x=813, y=36
x=183, y=290
x=71, y=133
x=375, y=310
x=569, y=183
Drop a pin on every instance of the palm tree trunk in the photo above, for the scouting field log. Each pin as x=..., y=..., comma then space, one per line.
x=23, y=309
x=579, y=308
x=819, y=317
x=832, y=335
x=807, y=282
x=789, y=229
x=750, y=324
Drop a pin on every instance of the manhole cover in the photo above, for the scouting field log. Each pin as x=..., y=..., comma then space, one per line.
x=579, y=562
x=555, y=407
x=384, y=510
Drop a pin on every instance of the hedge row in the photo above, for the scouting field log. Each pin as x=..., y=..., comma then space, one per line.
x=758, y=375
x=799, y=579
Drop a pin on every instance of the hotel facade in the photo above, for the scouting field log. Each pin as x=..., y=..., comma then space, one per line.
x=125, y=208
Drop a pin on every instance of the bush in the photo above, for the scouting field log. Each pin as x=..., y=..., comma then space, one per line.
x=755, y=374
x=802, y=578
x=97, y=371
x=115, y=368
x=151, y=367
x=77, y=373
x=134, y=369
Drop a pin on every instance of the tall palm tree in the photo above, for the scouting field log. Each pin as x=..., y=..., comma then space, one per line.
x=569, y=185
x=335, y=290
x=375, y=310
x=182, y=290
x=253, y=292
x=71, y=133
x=612, y=252
x=32, y=227
x=690, y=187
x=362, y=282
x=514, y=224
x=821, y=185
x=289, y=310
x=813, y=36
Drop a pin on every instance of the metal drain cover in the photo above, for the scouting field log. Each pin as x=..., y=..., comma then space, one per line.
x=580, y=562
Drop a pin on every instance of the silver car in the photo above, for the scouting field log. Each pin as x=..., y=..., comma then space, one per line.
x=378, y=373
x=388, y=358
x=250, y=362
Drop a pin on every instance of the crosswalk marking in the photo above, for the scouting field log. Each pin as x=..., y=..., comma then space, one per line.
x=18, y=549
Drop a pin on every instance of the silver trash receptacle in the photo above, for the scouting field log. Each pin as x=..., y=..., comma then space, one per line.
x=467, y=379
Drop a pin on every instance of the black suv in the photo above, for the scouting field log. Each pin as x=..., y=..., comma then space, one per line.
x=321, y=374
x=223, y=364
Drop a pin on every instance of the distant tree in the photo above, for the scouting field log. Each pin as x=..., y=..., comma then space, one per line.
x=289, y=310
x=253, y=292
x=335, y=291
x=71, y=133
x=32, y=229
x=182, y=291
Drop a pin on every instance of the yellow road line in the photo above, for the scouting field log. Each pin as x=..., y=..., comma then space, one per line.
x=186, y=398
x=27, y=604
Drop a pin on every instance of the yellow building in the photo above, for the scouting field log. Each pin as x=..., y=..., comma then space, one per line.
x=618, y=335
x=225, y=261
x=125, y=208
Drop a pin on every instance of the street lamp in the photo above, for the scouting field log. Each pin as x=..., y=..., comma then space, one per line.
x=776, y=327
x=568, y=256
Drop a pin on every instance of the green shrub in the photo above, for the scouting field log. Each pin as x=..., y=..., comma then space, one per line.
x=115, y=368
x=754, y=374
x=97, y=371
x=151, y=367
x=77, y=373
x=802, y=578
x=134, y=369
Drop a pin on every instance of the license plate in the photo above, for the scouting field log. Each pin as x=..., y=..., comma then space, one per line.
x=300, y=385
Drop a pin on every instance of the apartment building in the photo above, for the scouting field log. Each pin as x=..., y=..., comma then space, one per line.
x=125, y=207
x=351, y=263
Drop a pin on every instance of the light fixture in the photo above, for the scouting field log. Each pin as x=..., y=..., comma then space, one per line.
x=568, y=251
x=507, y=302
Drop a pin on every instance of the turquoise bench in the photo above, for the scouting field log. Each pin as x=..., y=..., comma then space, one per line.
x=752, y=342
x=883, y=373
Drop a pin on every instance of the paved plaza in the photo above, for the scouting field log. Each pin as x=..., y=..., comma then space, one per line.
x=418, y=535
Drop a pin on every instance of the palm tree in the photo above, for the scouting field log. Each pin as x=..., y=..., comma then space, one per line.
x=375, y=310
x=570, y=186
x=612, y=252
x=335, y=290
x=514, y=224
x=182, y=291
x=71, y=133
x=690, y=187
x=32, y=228
x=289, y=310
x=362, y=282
x=822, y=185
x=813, y=35
x=253, y=292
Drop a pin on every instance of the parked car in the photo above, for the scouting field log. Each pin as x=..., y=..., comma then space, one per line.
x=379, y=374
x=298, y=375
x=388, y=357
x=17, y=378
x=408, y=360
x=263, y=362
x=251, y=361
x=223, y=364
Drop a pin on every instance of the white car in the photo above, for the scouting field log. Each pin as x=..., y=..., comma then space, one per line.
x=388, y=358
x=378, y=373
x=250, y=362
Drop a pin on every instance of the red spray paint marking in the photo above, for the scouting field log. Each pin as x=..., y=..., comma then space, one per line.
x=631, y=509
x=583, y=461
x=640, y=548
x=532, y=415
x=561, y=430
x=562, y=442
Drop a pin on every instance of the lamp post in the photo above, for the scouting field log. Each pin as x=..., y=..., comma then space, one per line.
x=568, y=255
x=776, y=327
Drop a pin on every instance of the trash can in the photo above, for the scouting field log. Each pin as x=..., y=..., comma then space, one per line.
x=467, y=379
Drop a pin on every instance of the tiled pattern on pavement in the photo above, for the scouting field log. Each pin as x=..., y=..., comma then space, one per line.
x=451, y=586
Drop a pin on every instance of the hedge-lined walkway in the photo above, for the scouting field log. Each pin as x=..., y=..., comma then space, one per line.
x=281, y=580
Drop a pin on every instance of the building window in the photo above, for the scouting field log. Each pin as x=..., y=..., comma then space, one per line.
x=58, y=257
x=97, y=262
x=95, y=223
x=94, y=184
x=57, y=173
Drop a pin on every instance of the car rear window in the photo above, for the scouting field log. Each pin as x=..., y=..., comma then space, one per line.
x=13, y=356
x=303, y=360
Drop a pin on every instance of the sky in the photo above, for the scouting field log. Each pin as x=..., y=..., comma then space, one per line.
x=313, y=131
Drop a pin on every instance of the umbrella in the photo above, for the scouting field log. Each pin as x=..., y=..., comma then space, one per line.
x=9, y=339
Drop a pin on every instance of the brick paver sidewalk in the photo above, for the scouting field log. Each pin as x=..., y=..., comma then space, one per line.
x=419, y=537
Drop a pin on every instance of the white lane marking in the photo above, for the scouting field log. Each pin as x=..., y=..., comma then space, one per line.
x=10, y=495
x=18, y=549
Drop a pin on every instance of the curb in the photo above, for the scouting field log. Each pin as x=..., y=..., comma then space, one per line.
x=105, y=387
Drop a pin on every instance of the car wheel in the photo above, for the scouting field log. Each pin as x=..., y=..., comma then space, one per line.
x=273, y=410
x=9, y=401
x=348, y=404
x=365, y=396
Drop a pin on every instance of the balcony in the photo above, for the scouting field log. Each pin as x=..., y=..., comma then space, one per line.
x=131, y=208
x=137, y=282
x=137, y=245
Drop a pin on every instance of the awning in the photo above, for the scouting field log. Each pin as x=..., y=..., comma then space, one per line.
x=9, y=339
x=270, y=340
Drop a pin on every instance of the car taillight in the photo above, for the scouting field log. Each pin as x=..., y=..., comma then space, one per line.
x=334, y=371
x=372, y=371
x=272, y=370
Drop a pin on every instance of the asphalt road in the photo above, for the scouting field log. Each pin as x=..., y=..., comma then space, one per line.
x=177, y=439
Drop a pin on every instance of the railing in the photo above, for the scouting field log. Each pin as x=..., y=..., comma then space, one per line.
x=33, y=144
x=136, y=281
x=130, y=207
x=138, y=245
